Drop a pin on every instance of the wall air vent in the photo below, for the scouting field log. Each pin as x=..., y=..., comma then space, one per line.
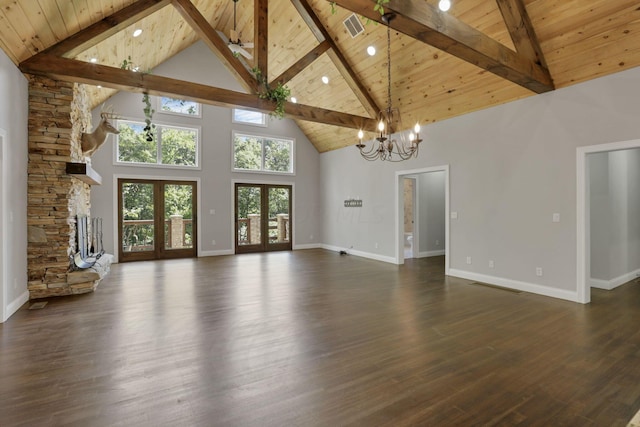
x=353, y=25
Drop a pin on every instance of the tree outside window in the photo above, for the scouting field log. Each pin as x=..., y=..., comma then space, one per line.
x=262, y=154
x=171, y=145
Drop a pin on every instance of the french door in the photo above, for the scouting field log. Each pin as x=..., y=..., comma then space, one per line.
x=263, y=220
x=156, y=219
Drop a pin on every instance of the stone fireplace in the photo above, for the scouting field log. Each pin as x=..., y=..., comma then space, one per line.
x=58, y=114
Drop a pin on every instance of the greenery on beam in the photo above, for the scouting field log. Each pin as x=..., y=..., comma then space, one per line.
x=279, y=94
x=378, y=7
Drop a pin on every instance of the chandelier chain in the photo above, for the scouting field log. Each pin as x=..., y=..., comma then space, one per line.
x=389, y=68
x=391, y=145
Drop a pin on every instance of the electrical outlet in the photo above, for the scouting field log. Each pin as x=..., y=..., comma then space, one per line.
x=491, y=263
x=437, y=242
x=212, y=211
x=213, y=243
x=468, y=260
x=376, y=245
x=538, y=271
x=311, y=237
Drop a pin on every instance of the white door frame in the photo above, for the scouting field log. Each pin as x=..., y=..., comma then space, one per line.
x=4, y=172
x=415, y=226
x=583, y=236
x=399, y=190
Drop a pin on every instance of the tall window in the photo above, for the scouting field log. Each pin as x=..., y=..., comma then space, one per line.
x=171, y=145
x=252, y=153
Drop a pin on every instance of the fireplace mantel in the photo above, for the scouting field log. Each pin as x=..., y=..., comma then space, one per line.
x=84, y=172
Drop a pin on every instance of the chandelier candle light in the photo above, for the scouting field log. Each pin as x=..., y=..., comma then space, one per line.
x=389, y=122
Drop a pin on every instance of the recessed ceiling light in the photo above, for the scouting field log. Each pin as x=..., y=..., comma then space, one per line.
x=137, y=32
x=293, y=99
x=94, y=60
x=99, y=87
x=444, y=5
x=371, y=50
x=325, y=80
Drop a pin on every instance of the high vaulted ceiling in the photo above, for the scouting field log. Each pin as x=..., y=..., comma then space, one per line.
x=487, y=52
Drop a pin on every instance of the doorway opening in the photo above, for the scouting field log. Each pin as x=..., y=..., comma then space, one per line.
x=156, y=219
x=583, y=213
x=424, y=242
x=263, y=217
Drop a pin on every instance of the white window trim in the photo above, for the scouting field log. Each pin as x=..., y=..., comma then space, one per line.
x=264, y=124
x=158, y=108
x=197, y=166
x=262, y=171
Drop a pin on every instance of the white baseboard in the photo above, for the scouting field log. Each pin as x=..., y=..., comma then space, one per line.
x=307, y=246
x=216, y=253
x=427, y=254
x=15, y=305
x=614, y=283
x=516, y=284
x=362, y=254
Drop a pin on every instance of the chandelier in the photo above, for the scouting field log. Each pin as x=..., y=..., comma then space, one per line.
x=387, y=147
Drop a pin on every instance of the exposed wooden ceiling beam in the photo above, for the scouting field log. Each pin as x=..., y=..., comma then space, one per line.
x=425, y=22
x=521, y=30
x=105, y=28
x=302, y=63
x=83, y=72
x=261, y=35
x=320, y=32
x=209, y=35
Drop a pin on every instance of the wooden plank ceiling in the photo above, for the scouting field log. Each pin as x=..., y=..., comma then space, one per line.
x=486, y=52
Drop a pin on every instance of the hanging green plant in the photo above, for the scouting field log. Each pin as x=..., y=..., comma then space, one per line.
x=148, y=116
x=279, y=94
x=149, y=128
x=379, y=6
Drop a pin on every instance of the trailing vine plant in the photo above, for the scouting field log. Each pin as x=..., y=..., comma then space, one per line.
x=279, y=94
x=127, y=64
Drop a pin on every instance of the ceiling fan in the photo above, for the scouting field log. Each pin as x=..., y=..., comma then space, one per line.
x=235, y=44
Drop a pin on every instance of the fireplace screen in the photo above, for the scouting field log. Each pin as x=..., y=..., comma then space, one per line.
x=88, y=241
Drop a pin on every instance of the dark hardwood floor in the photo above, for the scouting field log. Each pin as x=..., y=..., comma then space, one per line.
x=312, y=338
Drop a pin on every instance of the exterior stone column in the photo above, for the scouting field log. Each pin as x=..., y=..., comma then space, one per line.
x=282, y=221
x=177, y=231
x=254, y=229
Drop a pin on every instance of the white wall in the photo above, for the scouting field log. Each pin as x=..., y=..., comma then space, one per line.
x=431, y=187
x=511, y=168
x=198, y=64
x=13, y=121
x=614, y=184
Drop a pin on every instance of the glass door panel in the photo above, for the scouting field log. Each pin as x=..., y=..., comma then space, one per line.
x=178, y=216
x=279, y=207
x=137, y=217
x=248, y=217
